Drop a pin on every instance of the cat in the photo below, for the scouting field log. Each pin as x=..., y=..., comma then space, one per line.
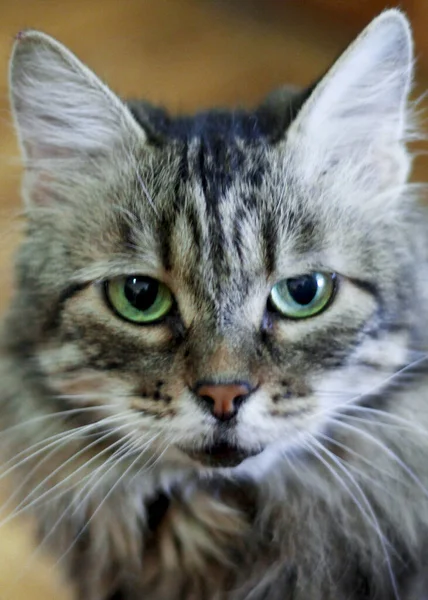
x=214, y=367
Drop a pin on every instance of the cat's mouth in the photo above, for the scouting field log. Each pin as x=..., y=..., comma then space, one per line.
x=221, y=455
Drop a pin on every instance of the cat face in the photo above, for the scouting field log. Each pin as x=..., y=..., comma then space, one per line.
x=215, y=285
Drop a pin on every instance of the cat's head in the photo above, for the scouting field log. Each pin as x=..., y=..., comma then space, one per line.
x=220, y=284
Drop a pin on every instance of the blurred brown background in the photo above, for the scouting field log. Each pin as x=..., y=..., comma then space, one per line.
x=186, y=55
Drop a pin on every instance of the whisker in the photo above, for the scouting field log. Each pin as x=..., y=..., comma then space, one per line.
x=363, y=459
x=95, y=396
x=40, y=546
x=73, y=434
x=407, y=424
x=147, y=468
x=376, y=423
x=51, y=417
x=140, y=469
x=67, y=462
x=372, y=391
x=100, y=505
x=387, y=451
x=141, y=451
x=371, y=517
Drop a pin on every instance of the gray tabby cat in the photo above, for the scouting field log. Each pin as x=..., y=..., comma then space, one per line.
x=213, y=371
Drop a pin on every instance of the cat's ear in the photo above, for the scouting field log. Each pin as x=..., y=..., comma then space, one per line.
x=66, y=118
x=358, y=114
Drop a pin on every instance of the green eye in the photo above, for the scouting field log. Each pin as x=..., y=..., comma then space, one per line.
x=304, y=296
x=139, y=299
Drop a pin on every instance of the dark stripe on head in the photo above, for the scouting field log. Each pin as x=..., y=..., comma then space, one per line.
x=164, y=246
x=269, y=235
x=195, y=226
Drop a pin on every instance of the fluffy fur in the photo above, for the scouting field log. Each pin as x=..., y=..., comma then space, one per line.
x=102, y=427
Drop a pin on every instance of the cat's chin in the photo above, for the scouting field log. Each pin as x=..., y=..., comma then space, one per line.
x=220, y=455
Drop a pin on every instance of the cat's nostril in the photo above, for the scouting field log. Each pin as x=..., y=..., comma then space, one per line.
x=239, y=400
x=223, y=400
x=207, y=399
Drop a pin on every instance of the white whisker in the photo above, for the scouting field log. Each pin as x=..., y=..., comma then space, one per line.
x=357, y=455
x=73, y=434
x=370, y=516
x=53, y=528
x=405, y=424
x=51, y=417
x=138, y=446
x=64, y=465
x=387, y=451
x=376, y=388
x=100, y=505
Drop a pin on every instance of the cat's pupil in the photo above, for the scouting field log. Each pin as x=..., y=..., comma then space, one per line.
x=141, y=292
x=303, y=289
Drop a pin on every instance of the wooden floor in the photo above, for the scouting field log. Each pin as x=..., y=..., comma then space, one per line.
x=185, y=54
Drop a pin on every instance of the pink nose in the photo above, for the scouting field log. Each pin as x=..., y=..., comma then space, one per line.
x=223, y=399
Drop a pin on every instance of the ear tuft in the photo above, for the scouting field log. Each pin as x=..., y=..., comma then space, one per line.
x=360, y=108
x=59, y=105
x=63, y=113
